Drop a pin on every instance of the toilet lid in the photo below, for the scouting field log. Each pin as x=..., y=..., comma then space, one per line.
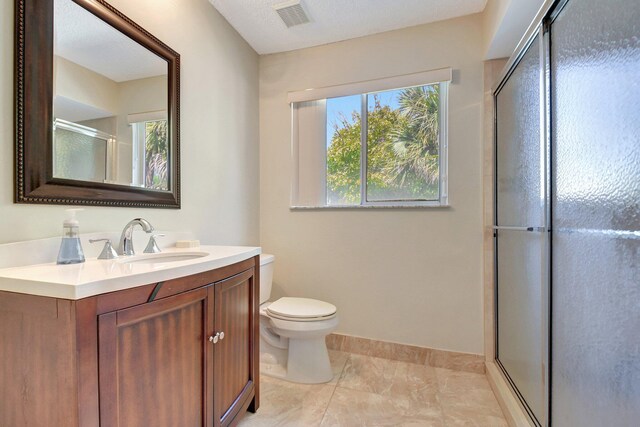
x=301, y=308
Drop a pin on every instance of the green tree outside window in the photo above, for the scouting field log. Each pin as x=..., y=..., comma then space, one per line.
x=403, y=150
x=156, y=155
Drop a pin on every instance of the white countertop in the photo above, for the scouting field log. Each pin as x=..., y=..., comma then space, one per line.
x=94, y=276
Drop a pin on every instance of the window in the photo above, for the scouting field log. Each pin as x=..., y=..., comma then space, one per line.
x=383, y=147
x=150, y=154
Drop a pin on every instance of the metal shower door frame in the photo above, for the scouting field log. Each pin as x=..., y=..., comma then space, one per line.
x=539, y=28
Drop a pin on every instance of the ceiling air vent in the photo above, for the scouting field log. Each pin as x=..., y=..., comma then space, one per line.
x=291, y=12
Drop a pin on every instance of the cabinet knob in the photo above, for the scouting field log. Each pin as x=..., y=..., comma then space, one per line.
x=221, y=335
x=214, y=338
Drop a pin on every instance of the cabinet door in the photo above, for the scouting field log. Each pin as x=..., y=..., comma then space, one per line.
x=153, y=362
x=234, y=363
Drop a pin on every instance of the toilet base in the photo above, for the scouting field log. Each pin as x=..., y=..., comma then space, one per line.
x=309, y=361
x=306, y=362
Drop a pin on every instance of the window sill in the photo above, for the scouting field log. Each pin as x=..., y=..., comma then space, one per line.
x=358, y=207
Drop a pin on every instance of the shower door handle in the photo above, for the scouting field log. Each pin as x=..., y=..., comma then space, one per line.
x=529, y=229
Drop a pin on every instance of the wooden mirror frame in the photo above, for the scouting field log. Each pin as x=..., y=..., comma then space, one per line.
x=34, y=181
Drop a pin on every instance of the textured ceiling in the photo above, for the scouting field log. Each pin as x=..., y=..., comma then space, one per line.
x=88, y=41
x=334, y=20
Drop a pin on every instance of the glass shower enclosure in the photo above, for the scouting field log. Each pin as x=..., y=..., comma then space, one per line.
x=520, y=230
x=567, y=216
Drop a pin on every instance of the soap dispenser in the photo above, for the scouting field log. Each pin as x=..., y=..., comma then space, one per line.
x=70, y=248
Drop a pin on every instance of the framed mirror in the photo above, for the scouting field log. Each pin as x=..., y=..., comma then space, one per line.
x=97, y=108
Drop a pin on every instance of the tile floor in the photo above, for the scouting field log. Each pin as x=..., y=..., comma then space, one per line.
x=369, y=391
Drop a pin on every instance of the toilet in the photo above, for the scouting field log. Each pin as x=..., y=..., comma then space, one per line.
x=292, y=333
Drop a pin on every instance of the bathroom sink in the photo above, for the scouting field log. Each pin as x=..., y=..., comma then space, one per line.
x=162, y=258
x=43, y=277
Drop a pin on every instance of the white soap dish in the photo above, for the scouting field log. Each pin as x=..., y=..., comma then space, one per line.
x=188, y=244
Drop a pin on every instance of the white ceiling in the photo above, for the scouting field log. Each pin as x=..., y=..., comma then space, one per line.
x=88, y=41
x=334, y=20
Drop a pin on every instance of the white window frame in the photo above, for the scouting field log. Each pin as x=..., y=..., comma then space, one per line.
x=137, y=159
x=138, y=122
x=442, y=77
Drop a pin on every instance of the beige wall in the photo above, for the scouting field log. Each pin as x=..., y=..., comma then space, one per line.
x=408, y=276
x=219, y=131
x=139, y=96
x=492, y=16
x=504, y=24
x=83, y=85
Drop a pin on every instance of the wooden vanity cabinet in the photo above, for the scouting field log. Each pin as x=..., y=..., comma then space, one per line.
x=236, y=353
x=153, y=362
x=179, y=353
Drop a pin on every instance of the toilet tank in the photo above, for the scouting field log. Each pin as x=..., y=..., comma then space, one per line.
x=266, y=276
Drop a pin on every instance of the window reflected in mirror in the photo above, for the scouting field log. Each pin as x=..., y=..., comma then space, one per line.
x=150, y=154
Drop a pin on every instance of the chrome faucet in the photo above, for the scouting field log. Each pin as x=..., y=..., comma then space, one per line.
x=126, y=239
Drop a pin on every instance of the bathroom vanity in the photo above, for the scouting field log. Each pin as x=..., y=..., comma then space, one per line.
x=157, y=340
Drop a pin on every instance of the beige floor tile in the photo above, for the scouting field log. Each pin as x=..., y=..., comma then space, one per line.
x=372, y=391
x=287, y=404
x=365, y=373
x=471, y=417
x=416, y=382
x=414, y=388
x=351, y=408
x=450, y=381
x=467, y=400
x=338, y=361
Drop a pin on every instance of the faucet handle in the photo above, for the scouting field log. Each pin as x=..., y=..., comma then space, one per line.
x=152, y=246
x=107, y=251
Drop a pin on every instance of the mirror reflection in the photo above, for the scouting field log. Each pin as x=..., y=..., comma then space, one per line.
x=109, y=105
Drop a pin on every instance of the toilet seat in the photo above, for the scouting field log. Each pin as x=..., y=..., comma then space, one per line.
x=301, y=309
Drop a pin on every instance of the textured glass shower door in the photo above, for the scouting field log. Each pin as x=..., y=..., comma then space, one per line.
x=520, y=232
x=595, y=94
